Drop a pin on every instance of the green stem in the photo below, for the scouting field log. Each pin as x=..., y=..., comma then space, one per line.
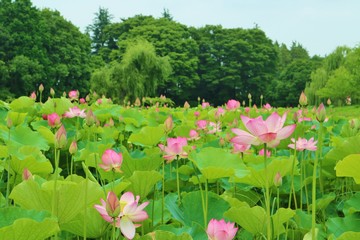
x=178, y=180
x=85, y=206
x=267, y=198
x=313, y=210
x=202, y=196
x=8, y=174
x=206, y=203
x=163, y=194
x=54, y=202
x=114, y=230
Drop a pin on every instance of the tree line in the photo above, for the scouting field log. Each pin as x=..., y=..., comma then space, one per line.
x=143, y=56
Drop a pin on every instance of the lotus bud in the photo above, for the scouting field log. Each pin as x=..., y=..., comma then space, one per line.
x=249, y=96
x=73, y=147
x=303, y=99
x=186, y=105
x=52, y=92
x=137, y=102
x=261, y=96
x=82, y=101
x=328, y=102
x=168, y=124
x=243, y=102
x=27, y=174
x=278, y=179
x=41, y=88
x=33, y=95
x=90, y=118
x=321, y=113
x=60, y=138
x=53, y=120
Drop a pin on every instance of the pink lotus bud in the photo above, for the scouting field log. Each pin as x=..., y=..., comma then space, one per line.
x=197, y=114
x=220, y=112
x=33, y=95
x=41, y=88
x=52, y=92
x=73, y=147
x=321, y=113
x=194, y=135
x=278, y=179
x=205, y=105
x=222, y=142
x=9, y=122
x=168, y=124
x=27, y=175
x=112, y=205
x=268, y=153
x=60, y=138
x=303, y=99
x=247, y=110
x=90, y=118
x=201, y=124
x=186, y=105
x=53, y=120
x=82, y=101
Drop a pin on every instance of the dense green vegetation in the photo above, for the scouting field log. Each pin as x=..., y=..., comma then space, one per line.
x=146, y=56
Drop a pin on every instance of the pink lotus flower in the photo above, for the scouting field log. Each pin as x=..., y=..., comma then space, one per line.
x=73, y=95
x=194, y=135
x=240, y=148
x=221, y=230
x=201, y=124
x=111, y=160
x=205, y=105
x=232, y=104
x=53, y=120
x=110, y=209
x=303, y=144
x=220, y=112
x=174, y=148
x=267, y=106
x=268, y=153
x=130, y=213
x=270, y=131
x=75, y=112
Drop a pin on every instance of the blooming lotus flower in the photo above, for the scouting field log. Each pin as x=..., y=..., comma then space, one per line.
x=303, y=144
x=205, y=105
x=214, y=127
x=174, y=148
x=268, y=153
x=53, y=120
x=220, y=112
x=221, y=230
x=194, y=135
x=110, y=209
x=267, y=106
x=75, y=112
x=130, y=213
x=232, y=104
x=73, y=95
x=201, y=124
x=240, y=148
x=111, y=160
x=270, y=131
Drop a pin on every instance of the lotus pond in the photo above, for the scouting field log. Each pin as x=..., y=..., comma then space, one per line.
x=76, y=169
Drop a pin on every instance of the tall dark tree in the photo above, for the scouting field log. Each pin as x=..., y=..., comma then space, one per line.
x=97, y=29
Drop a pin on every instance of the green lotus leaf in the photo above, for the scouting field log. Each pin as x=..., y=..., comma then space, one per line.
x=251, y=219
x=352, y=205
x=160, y=234
x=218, y=163
x=349, y=167
x=148, y=136
x=21, y=224
x=142, y=182
x=349, y=235
x=22, y=104
x=16, y=118
x=339, y=225
x=56, y=105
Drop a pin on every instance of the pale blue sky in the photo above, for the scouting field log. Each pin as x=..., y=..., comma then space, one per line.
x=319, y=25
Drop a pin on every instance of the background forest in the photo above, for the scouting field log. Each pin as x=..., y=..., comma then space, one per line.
x=143, y=56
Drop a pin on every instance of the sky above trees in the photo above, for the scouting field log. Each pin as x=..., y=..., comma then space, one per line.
x=320, y=26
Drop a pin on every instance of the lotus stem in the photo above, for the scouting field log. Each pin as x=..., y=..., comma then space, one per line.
x=267, y=198
x=313, y=210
